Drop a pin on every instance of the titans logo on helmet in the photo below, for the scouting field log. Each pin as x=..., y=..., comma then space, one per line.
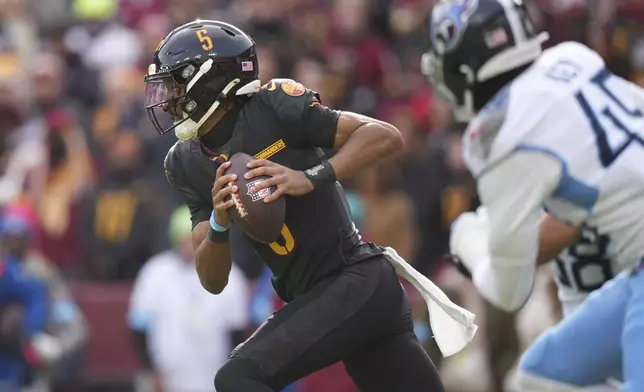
x=449, y=20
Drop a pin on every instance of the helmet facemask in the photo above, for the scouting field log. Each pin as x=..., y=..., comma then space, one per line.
x=167, y=101
x=185, y=98
x=462, y=104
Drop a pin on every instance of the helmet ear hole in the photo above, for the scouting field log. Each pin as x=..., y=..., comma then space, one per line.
x=204, y=93
x=188, y=72
x=190, y=106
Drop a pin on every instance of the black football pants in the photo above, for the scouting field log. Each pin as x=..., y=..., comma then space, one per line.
x=360, y=317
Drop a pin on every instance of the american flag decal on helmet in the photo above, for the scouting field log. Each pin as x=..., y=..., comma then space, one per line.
x=247, y=66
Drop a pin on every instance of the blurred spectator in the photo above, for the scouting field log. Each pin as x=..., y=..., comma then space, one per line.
x=152, y=28
x=637, y=62
x=65, y=324
x=58, y=190
x=121, y=107
x=388, y=213
x=100, y=34
x=80, y=82
x=134, y=13
x=18, y=30
x=123, y=226
x=184, y=334
x=270, y=66
x=24, y=346
x=49, y=163
x=459, y=194
x=423, y=177
x=565, y=20
x=50, y=13
x=18, y=155
x=356, y=53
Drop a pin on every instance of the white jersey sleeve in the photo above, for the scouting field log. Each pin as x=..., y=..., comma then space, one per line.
x=568, y=107
x=512, y=192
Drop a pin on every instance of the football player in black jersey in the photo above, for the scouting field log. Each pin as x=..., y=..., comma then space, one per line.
x=344, y=301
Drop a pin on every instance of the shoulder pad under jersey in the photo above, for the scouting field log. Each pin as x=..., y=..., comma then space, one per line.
x=175, y=163
x=172, y=161
x=286, y=95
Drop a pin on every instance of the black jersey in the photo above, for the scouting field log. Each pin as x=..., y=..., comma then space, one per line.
x=285, y=123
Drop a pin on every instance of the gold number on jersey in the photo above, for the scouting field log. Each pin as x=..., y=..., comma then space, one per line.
x=206, y=42
x=289, y=242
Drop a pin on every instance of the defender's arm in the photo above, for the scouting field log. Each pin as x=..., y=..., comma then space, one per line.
x=554, y=237
x=501, y=252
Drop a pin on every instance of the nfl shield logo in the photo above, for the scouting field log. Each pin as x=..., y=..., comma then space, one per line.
x=257, y=196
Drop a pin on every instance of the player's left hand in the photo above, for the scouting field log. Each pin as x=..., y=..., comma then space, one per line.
x=288, y=181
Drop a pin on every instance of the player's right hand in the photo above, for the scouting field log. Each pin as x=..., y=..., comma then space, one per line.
x=221, y=191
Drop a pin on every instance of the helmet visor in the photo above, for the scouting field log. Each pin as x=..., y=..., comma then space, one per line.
x=166, y=102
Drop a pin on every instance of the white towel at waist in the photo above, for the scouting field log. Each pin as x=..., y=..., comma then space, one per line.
x=453, y=327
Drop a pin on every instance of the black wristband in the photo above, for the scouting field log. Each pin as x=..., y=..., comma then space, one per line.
x=321, y=174
x=217, y=237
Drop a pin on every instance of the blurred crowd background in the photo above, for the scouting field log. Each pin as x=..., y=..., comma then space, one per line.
x=86, y=208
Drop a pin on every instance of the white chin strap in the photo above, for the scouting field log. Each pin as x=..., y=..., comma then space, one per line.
x=189, y=129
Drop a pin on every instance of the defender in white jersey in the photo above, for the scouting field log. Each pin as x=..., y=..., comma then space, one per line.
x=555, y=130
